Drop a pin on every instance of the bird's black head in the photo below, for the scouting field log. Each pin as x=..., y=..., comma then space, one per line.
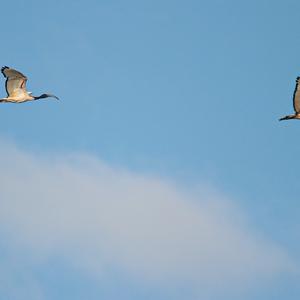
x=46, y=96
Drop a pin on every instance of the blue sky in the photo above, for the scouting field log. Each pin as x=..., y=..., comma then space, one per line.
x=178, y=98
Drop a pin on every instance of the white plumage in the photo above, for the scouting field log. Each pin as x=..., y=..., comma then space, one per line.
x=16, y=87
x=296, y=103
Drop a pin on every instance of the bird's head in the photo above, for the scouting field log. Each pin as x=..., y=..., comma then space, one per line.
x=47, y=96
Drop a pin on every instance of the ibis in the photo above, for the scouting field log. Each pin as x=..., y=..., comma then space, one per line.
x=15, y=86
x=296, y=103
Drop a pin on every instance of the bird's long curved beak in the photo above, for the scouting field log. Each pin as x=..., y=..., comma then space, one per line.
x=53, y=96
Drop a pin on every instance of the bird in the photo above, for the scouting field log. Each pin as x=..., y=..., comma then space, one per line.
x=15, y=86
x=296, y=103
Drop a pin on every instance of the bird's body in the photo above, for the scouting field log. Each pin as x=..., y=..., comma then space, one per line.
x=16, y=87
x=296, y=103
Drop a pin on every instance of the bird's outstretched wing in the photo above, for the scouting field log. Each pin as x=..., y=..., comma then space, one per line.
x=296, y=98
x=15, y=82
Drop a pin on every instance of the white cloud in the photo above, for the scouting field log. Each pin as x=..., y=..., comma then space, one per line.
x=97, y=217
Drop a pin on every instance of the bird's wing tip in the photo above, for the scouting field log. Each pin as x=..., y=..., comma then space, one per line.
x=4, y=68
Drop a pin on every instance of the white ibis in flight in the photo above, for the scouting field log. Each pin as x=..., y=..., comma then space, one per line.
x=296, y=103
x=16, y=87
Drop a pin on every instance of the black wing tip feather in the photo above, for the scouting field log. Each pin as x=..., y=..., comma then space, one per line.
x=298, y=78
x=2, y=70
